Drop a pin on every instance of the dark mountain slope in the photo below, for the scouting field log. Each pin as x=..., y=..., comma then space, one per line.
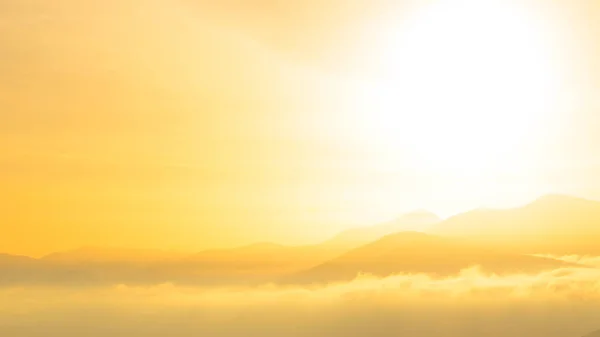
x=412, y=252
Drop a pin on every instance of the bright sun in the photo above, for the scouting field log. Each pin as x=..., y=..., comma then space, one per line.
x=467, y=83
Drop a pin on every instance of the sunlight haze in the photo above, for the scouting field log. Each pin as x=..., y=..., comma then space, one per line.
x=185, y=125
x=300, y=168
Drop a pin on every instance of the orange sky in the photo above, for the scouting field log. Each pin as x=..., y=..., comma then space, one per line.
x=190, y=124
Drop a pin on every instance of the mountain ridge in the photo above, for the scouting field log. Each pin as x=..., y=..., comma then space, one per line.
x=550, y=214
x=416, y=220
x=414, y=252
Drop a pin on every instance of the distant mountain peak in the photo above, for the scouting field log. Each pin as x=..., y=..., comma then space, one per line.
x=14, y=258
x=551, y=214
x=414, y=221
x=554, y=198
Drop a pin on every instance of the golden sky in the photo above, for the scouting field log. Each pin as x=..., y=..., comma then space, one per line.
x=187, y=124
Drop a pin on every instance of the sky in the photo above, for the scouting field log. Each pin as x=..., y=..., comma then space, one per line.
x=190, y=124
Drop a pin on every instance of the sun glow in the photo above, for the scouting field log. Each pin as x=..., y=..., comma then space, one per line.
x=466, y=85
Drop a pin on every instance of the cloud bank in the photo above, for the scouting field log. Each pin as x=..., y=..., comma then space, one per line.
x=561, y=302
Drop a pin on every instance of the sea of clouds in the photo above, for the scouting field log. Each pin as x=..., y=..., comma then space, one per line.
x=559, y=303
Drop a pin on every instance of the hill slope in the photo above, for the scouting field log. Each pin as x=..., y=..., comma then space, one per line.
x=548, y=215
x=552, y=224
x=415, y=221
x=412, y=252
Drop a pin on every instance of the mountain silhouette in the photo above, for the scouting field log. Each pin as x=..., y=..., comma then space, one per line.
x=551, y=214
x=552, y=224
x=8, y=259
x=413, y=252
x=262, y=260
x=415, y=221
x=498, y=241
x=110, y=255
x=252, y=264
